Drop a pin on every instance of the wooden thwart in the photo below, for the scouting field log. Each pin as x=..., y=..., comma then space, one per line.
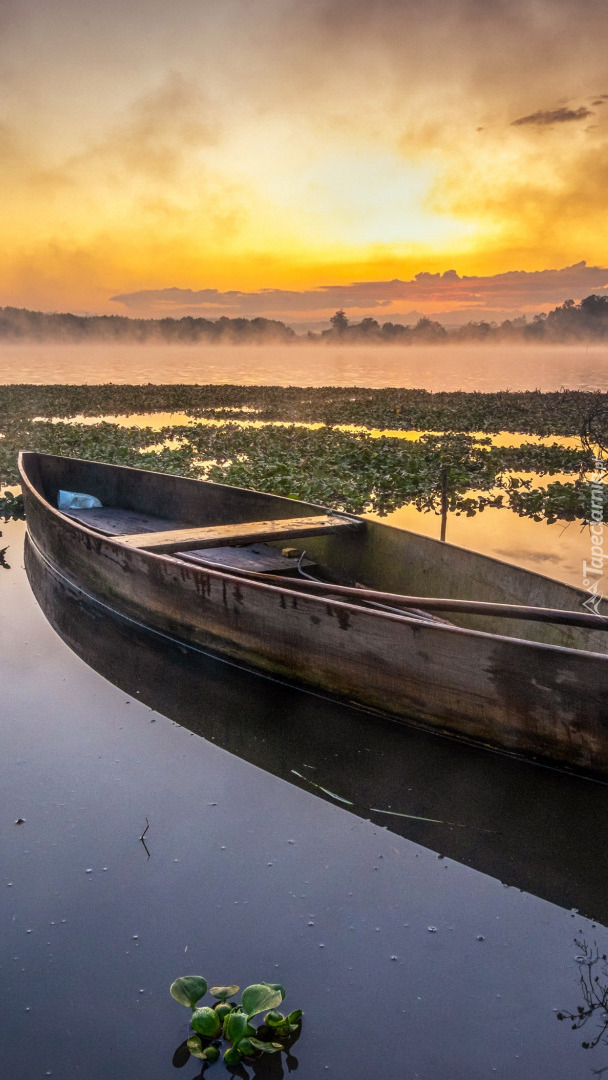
x=244, y=533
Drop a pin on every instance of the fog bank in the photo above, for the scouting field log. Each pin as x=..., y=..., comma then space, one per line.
x=458, y=367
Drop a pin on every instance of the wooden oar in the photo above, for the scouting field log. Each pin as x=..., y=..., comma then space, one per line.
x=423, y=603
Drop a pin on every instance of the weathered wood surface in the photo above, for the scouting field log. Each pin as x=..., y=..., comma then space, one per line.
x=257, y=558
x=531, y=698
x=113, y=521
x=393, y=560
x=401, y=604
x=241, y=533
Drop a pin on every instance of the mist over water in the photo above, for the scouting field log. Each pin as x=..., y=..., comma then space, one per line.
x=448, y=367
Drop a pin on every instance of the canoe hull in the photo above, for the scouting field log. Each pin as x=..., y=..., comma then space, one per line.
x=529, y=698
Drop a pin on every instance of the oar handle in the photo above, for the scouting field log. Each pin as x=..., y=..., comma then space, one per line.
x=464, y=607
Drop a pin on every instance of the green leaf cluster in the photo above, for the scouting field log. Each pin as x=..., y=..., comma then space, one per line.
x=446, y=468
x=230, y=1022
x=557, y=502
x=556, y=413
x=11, y=507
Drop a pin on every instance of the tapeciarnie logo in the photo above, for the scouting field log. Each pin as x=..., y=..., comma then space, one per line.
x=593, y=572
x=592, y=604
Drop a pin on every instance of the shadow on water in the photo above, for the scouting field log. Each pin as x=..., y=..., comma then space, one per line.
x=533, y=828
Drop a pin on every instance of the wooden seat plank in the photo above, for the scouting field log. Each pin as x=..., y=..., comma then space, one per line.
x=242, y=533
x=113, y=521
x=258, y=558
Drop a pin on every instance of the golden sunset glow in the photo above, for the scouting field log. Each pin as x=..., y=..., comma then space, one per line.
x=278, y=145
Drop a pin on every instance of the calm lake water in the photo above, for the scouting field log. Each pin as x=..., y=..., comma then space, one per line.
x=424, y=902
x=414, y=895
x=471, y=367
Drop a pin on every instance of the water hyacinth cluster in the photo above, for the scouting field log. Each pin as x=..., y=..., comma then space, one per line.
x=359, y=462
x=11, y=507
x=230, y=1022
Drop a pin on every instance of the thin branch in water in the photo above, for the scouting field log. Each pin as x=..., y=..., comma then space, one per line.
x=142, y=840
x=594, y=989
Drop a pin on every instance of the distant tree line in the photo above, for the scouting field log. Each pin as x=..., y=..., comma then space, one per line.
x=20, y=324
x=586, y=321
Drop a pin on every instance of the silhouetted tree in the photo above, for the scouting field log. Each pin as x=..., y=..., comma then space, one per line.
x=339, y=322
x=595, y=306
x=584, y=321
x=368, y=326
x=429, y=330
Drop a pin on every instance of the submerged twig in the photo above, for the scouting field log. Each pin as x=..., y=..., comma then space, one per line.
x=417, y=817
x=143, y=840
x=325, y=791
x=393, y=813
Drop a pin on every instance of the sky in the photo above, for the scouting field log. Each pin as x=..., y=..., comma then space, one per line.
x=289, y=157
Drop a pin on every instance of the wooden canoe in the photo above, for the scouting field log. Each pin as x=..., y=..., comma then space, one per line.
x=215, y=567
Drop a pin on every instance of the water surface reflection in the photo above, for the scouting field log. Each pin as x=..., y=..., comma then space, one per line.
x=454, y=367
x=252, y=877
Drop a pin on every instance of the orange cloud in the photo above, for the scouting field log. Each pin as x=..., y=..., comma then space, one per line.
x=446, y=291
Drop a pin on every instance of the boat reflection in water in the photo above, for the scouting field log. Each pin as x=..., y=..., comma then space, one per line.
x=531, y=827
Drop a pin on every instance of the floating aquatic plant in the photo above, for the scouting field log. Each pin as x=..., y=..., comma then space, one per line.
x=447, y=468
x=11, y=507
x=228, y=1022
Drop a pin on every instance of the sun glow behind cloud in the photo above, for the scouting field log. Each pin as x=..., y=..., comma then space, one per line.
x=378, y=198
x=244, y=146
